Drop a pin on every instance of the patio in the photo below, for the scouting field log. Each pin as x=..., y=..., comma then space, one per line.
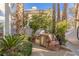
x=72, y=42
x=41, y=51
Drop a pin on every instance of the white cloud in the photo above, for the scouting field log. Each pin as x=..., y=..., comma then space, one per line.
x=34, y=7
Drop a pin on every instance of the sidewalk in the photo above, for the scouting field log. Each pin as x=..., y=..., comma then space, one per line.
x=73, y=43
x=40, y=51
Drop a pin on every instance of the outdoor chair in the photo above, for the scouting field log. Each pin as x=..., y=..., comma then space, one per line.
x=47, y=40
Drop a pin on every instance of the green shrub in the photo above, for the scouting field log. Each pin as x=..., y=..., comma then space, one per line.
x=15, y=45
x=40, y=21
x=61, y=29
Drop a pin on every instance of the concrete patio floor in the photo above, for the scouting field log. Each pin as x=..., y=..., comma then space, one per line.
x=41, y=51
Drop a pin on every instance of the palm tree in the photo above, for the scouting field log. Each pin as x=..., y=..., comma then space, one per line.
x=54, y=17
x=64, y=15
x=76, y=12
x=19, y=18
x=58, y=9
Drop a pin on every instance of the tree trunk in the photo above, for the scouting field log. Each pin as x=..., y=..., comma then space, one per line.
x=76, y=13
x=58, y=14
x=64, y=15
x=54, y=17
x=19, y=18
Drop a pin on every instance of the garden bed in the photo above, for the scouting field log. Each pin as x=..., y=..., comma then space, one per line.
x=15, y=45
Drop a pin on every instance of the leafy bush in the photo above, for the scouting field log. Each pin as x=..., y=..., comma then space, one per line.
x=61, y=29
x=40, y=21
x=14, y=45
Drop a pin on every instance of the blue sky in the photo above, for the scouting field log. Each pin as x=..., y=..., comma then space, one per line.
x=43, y=6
